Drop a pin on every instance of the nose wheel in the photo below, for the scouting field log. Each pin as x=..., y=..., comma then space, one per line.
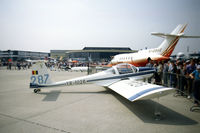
x=37, y=90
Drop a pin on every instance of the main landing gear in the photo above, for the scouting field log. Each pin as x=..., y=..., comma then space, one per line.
x=36, y=90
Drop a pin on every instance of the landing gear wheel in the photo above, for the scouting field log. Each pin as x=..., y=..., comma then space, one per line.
x=36, y=90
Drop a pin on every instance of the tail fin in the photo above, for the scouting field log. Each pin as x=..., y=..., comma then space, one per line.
x=39, y=75
x=168, y=45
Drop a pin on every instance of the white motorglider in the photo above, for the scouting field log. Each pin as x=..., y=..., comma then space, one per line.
x=125, y=79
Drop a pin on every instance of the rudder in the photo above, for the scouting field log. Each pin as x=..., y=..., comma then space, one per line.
x=40, y=75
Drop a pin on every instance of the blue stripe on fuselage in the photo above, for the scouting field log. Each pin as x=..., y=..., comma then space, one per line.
x=145, y=69
x=144, y=92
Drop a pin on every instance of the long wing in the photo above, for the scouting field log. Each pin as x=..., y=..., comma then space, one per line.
x=138, y=90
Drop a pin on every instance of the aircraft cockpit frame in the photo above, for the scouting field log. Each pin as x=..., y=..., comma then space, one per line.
x=123, y=68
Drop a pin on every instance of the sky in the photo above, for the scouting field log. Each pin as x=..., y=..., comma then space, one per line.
x=44, y=25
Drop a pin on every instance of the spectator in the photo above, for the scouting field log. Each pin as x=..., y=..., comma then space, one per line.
x=18, y=65
x=9, y=65
x=158, y=74
x=189, y=69
x=150, y=63
x=173, y=70
x=196, y=76
x=180, y=75
x=165, y=73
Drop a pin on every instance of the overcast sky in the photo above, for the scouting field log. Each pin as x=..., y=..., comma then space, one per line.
x=44, y=25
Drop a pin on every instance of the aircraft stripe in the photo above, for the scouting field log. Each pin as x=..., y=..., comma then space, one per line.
x=180, y=31
x=171, y=44
x=144, y=92
x=170, y=47
x=183, y=29
x=144, y=69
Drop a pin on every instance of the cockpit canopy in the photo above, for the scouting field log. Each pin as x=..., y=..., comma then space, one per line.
x=123, y=68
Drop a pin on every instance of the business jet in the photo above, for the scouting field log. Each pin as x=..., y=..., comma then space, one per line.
x=125, y=79
x=160, y=53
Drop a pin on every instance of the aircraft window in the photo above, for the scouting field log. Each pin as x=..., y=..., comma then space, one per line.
x=112, y=71
x=124, y=68
x=134, y=69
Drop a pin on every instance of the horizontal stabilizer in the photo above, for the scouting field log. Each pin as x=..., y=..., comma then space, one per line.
x=184, y=36
x=181, y=35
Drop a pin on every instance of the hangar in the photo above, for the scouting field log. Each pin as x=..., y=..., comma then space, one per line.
x=94, y=53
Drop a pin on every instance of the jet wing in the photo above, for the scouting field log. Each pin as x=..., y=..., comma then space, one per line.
x=137, y=90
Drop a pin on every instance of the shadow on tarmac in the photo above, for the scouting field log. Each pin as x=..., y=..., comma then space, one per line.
x=145, y=110
x=53, y=95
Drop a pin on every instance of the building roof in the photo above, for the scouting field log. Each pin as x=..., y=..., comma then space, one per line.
x=107, y=48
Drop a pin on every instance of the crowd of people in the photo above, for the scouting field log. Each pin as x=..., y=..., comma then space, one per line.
x=181, y=74
x=53, y=66
x=17, y=65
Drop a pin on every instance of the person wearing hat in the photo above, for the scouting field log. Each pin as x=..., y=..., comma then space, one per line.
x=196, y=76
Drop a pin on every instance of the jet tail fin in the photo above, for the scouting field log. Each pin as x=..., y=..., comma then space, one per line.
x=39, y=75
x=171, y=39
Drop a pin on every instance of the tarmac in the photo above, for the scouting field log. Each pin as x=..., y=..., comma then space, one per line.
x=87, y=109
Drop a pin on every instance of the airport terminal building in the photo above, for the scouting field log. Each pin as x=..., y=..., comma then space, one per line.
x=96, y=54
x=18, y=55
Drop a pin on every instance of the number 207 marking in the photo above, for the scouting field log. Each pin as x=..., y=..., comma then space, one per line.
x=42, y=79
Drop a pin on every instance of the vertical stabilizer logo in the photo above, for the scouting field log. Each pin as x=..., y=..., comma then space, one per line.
x=34, y=72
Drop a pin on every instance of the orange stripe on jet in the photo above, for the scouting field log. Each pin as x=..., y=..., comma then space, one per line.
x=166, y=51
x=163, y=53
x=183, y=29
x=171, y=48
x=173, y=45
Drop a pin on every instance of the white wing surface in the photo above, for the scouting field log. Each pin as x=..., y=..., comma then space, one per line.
x=138, y=90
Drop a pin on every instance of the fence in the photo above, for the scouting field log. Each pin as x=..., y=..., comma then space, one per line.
x=182, y=83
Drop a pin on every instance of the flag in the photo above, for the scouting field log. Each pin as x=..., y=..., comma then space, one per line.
x=34, y=72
